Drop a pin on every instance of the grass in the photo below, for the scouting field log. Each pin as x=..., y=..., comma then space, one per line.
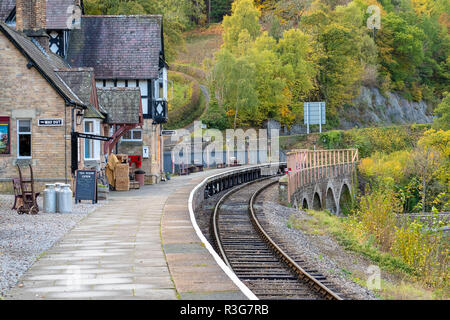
x=325, y=223
x=182, y=91
x=187, y=103
x=201, y=43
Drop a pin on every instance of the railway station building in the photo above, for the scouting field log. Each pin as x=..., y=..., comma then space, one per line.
x=100, y=75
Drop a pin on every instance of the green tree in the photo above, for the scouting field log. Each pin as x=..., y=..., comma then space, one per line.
x=296, y=52
x=244, y=16
x=233, y=80
x=443, y=113
x=405, y=42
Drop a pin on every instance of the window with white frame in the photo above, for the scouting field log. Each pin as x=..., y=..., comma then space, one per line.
x=91, y=147
x=133, y=135
x=24, y=139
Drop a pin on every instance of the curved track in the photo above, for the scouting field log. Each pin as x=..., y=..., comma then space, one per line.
x=263, y=265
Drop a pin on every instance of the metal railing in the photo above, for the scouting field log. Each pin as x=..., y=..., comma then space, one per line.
x=306, y=167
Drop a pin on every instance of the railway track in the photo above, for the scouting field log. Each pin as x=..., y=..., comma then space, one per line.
x=271, y=270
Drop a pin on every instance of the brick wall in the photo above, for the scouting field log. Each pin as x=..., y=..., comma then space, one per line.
x=25, y=94
x=31, y=14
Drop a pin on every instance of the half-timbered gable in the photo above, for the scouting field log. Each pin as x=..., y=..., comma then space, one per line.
x=125, y=51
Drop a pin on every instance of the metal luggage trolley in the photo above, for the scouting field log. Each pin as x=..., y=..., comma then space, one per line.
x=29, y=204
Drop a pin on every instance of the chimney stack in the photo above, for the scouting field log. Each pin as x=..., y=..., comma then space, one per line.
x=31, y=19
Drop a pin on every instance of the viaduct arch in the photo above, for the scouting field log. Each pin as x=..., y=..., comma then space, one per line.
x=321, y=179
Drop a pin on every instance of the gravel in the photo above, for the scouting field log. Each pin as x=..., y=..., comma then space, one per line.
x=327, y=256
x=319, y=250
x=24, y=238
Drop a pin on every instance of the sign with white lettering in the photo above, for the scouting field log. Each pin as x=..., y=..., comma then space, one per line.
x=167, y=133
x=86, y=186
x=50, y=122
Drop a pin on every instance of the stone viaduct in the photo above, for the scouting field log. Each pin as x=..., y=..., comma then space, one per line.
x=321, y=179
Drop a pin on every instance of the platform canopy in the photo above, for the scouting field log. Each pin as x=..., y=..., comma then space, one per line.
x=124, y=111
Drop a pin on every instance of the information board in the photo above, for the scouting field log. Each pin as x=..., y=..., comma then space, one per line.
x=86, y=186
x=314, y=113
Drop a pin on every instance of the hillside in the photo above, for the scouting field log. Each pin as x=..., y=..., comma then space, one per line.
x=396, y=74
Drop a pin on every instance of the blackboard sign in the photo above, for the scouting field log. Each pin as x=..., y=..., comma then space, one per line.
x=86, y=186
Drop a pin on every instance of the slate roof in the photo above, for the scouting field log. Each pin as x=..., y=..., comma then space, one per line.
x=45, y=63
x=6, y=6
x=82, y=82
x=118, y=47
x=123, y=105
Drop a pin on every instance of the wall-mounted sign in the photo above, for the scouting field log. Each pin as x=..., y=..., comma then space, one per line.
x=50, y=122
x=4, y=135
x=167, y=133
x=145, y=152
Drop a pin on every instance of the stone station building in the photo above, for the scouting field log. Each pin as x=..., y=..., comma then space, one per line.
x=101, y=75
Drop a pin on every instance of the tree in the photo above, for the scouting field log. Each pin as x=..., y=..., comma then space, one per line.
x=405, y=42
x=233, y=80
x=443, y=113
x=296, y=51
x=244, y=16
x=271, y=79
x=219, y=8
x=423, y=163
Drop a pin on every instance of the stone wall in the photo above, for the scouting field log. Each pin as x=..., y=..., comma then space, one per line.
x=25, y=94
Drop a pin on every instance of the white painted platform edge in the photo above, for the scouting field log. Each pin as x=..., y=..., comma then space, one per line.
x=245, y=290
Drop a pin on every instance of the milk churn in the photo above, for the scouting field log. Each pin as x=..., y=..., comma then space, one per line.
x=65, y=199
x=57, y=190
x=50, y=198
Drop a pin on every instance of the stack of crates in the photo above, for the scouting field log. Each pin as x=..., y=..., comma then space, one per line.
x=122, y=173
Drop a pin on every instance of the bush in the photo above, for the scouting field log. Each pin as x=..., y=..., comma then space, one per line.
x=215, y=117
x=425, y=250
x=377, y=216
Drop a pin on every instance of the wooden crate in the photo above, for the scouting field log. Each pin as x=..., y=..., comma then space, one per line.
x=122, y=170
x=122, y=184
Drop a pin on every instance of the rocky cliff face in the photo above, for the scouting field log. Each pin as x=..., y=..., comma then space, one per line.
x=372, y=108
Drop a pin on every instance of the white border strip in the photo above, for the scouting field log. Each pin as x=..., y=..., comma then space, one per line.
x=245, y=290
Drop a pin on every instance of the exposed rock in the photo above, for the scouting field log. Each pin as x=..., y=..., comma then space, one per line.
x=371, y=107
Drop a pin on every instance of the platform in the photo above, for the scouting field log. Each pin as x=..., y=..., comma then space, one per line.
x=140, y=245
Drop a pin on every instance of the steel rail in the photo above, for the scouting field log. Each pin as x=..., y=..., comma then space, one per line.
x=301, y=273
x=215, y=218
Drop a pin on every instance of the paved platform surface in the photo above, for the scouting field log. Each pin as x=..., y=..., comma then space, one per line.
x=140, y=245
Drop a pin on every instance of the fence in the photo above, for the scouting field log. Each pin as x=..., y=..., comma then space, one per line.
x=309, y=166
